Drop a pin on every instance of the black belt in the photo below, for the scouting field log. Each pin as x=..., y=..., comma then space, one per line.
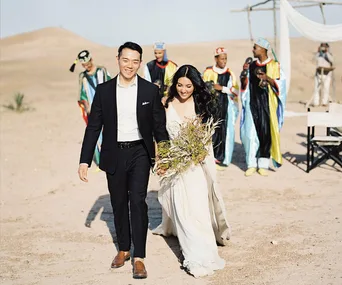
x=123, y=145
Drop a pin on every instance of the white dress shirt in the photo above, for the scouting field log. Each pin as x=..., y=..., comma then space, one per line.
x=126, y=99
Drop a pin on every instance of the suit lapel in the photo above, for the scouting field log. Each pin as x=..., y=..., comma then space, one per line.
x=113, y=96
x=140, y=99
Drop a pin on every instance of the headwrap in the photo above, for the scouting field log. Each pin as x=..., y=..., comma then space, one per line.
x=161, y=46
x=83, y=57
x=220, y=50
x=261, y=42
x=324, y=44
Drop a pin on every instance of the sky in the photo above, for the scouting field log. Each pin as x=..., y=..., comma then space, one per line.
x=112, y=22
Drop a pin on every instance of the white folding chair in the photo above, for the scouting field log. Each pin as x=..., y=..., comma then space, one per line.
x=336, y=109
x=329, y=145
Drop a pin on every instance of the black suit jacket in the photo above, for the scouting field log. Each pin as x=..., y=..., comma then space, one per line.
x=150, y=116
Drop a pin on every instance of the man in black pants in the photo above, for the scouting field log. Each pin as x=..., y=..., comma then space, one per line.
x=129, y=112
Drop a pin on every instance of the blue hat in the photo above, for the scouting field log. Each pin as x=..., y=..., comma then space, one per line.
x=159, y=46
x=263, y=43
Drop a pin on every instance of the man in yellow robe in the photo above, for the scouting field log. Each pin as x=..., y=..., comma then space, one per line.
x=227, y=90
x=160, y=70
x=263, y=96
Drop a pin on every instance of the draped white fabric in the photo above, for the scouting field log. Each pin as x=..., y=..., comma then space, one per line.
x=309, y=29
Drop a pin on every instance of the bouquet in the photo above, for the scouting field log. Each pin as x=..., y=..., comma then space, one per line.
x=190, y=147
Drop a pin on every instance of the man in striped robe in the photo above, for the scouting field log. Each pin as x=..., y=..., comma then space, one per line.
x=88, y=80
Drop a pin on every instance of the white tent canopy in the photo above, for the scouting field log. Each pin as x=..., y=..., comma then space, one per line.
x=309, y=29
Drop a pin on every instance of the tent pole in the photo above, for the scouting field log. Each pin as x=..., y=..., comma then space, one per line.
x=322, y=11
x=249, y=23
x=331, y=98
x=275, y=24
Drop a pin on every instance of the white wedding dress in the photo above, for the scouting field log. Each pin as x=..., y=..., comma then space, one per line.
x=193, y=210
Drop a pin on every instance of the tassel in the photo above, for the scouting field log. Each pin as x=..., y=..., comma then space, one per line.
x=275, y=56
x=72, y=67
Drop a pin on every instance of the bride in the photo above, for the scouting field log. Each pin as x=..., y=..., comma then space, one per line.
x=193, y=208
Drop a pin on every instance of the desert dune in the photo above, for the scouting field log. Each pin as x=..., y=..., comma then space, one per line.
x=286, y=228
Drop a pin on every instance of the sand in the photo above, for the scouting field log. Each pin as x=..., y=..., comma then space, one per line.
x=286, y=227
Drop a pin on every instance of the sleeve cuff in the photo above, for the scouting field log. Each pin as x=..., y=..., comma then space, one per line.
x=225, y=89
x=234, y=91
x=275, y=87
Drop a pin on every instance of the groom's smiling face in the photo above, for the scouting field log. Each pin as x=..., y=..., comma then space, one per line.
x=129, y=62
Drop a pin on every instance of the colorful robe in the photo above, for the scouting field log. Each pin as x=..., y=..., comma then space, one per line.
x=87, y=85
x=162, y=72
x=224, y=137
x=263, y=113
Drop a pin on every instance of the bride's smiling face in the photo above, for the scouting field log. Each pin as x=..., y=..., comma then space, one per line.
x=185, y=88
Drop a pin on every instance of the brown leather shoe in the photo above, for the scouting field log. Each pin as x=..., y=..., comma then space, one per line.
x=139, y=271
x=120, y=259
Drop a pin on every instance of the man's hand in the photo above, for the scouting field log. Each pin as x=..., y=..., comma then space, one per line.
x=83, y=172
x=218, y=87
x=157, y=84
x=262, y=75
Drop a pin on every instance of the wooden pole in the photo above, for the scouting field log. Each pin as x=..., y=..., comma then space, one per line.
x=322, y=11
x=337, y=2
x=271, y=9
x=333, y=97
x=249, y=23
x=275, y=25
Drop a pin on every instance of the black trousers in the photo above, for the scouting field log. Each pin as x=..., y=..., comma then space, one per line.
x=128, y=189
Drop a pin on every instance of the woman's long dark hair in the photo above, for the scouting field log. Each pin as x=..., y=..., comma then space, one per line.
x=206, y=104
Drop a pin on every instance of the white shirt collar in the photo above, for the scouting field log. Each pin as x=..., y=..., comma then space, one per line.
x=264, y=62
x=219, y=70
x=133, y=83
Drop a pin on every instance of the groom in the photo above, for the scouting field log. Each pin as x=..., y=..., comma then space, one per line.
x=129, y=110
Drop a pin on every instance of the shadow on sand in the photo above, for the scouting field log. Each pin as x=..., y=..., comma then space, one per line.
x=103, y=205
x=155, y=218
x=238, y=157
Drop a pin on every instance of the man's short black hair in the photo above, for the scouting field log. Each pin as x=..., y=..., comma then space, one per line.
x=132, y=46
